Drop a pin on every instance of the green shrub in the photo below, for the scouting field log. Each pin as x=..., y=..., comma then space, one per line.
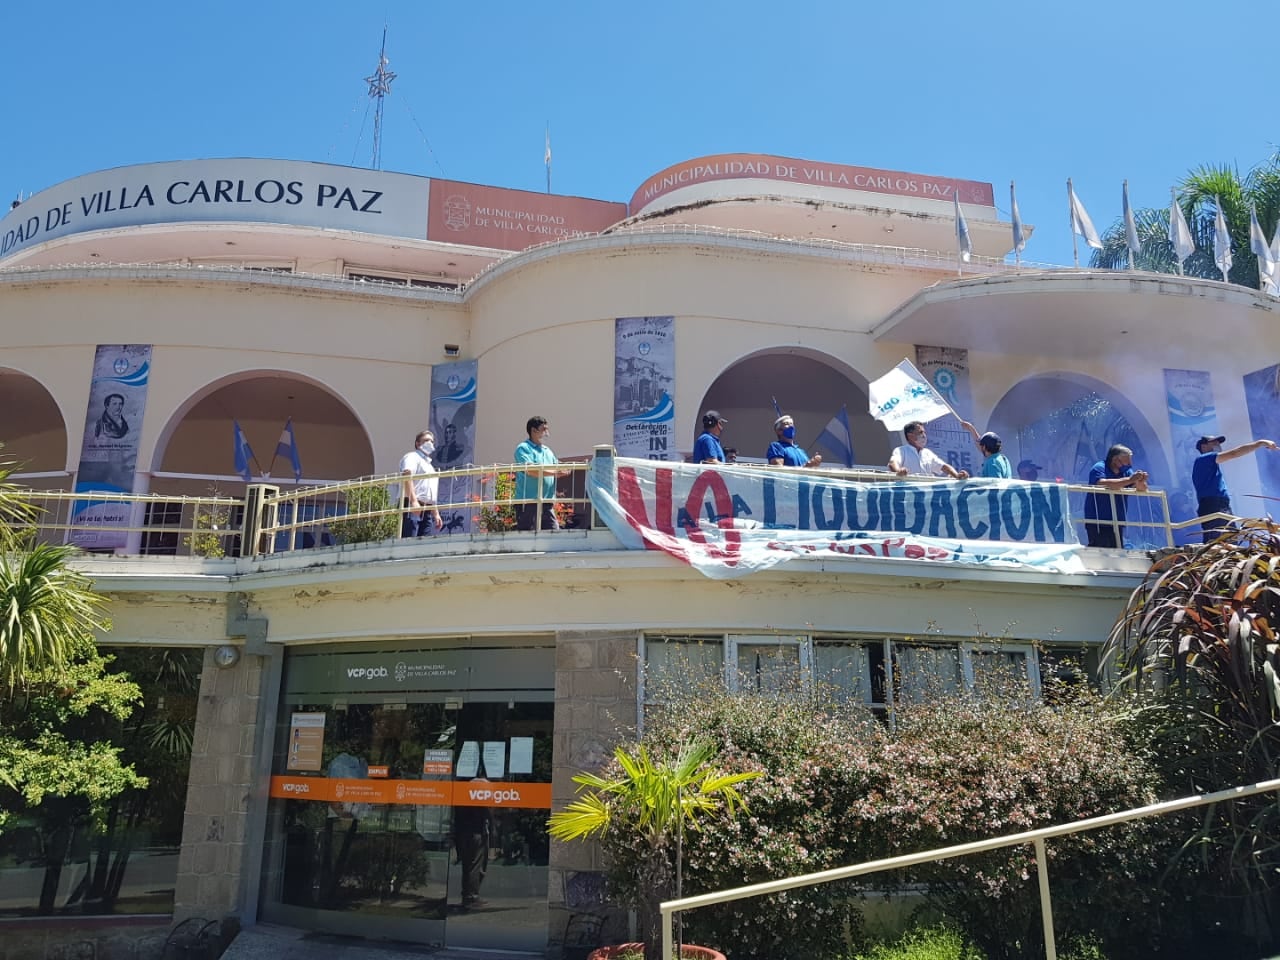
x=925, y=943
x=842, y=789
x=360, y=526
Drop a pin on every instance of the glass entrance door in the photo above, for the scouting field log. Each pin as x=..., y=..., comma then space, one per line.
x=412, y=814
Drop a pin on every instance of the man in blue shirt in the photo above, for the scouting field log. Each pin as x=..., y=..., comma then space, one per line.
x=1114, y=473
x=535, y=451
x=707, y=449
x=1211, y=488
x=785, y=452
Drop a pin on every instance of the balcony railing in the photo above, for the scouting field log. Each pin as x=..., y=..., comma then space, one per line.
x=472, y=502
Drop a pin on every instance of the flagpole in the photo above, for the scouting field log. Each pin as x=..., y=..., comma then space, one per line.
x=547, y=157
x=1013, y=207
x=1128, y=218
x=1071, y=214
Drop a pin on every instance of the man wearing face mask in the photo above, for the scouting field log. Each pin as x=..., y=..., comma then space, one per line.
x=785, y=452
x=420, y=488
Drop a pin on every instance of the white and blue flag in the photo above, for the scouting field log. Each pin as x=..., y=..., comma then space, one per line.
x=903, y=395
x=837, y=437
x=963, y=239
x=287, y=446
x=243, y=453
x=1221, y=241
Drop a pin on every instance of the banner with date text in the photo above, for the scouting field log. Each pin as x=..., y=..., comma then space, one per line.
x=729, y=522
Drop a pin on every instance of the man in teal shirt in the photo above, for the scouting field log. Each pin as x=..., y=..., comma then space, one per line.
x=535, y=451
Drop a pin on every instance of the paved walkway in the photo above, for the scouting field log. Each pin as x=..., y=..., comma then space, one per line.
x=267, y=942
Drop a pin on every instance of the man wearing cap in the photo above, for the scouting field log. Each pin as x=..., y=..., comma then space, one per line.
x=995, y=464
x=915, y=458
x=1206, y=474
x=1028, y=470
x=785, y=452
x=707, y=449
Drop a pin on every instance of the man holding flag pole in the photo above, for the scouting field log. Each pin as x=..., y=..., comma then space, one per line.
x=904, y=399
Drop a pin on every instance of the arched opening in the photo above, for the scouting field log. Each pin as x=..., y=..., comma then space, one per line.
x=196, y=449
x=811, y=387
x=1066, y=422
x=34, y=433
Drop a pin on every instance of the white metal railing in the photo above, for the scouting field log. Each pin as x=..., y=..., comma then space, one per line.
x=268, y=519
x=1036, y=838
x=478, y=498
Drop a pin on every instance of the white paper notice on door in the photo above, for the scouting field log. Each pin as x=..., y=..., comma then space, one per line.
x=468, y=759
x=522, y=754
x=495, y=759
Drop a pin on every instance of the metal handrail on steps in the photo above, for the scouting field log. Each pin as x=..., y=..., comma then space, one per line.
x=1035, y=837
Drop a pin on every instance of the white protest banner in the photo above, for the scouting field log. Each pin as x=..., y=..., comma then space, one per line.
x=903, y=395
x=728, y=522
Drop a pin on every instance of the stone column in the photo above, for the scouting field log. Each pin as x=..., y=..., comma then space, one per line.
x=595, y=709
x=211, y=864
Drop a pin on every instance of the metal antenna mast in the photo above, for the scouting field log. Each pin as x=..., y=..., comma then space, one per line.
x=379, y=87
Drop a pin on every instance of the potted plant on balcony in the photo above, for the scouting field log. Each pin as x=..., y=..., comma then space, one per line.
x=641, y=807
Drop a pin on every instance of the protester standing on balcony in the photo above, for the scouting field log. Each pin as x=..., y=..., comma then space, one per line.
x=1211, y=488
x=914, y=458
x=707, y=449
x=785, y=451
x=1114, y=473
x=420, y=488
x=1028, y=470
x=535, y=451
x=995, y=464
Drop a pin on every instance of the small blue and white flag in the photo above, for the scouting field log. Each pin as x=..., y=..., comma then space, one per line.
x=1258, y=244
x=837, y=437
x=1273, y=285
x=962, y=230
x=1130, y=228
x=1019, y=238
x=903, y=395
x=243, y=453
x=1080, y=222
x=287, y=446
x=1179, y=233
x=1221, y=241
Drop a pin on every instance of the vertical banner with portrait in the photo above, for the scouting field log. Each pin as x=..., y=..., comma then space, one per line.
x=1262, y=395
x=644, y=370
x=109, y=450
x=453, y=419
x=1189, y=397
x=947, y=368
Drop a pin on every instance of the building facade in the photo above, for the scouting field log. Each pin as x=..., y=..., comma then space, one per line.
x=381, y=728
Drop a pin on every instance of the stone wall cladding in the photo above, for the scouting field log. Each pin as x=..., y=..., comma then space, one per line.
x=211, y=863
x=108, y=938
x=595, y=709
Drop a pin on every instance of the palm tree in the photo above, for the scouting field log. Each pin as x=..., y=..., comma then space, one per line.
x=645, y=805
x=48, y=612
x=1199, y=193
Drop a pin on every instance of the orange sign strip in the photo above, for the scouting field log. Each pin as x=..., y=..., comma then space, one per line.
x=436, y=793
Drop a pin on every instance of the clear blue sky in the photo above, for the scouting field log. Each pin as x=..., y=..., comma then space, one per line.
x=990, y=91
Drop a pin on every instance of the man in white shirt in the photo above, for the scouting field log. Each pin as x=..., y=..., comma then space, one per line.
x=420, y=487
x=914, y=458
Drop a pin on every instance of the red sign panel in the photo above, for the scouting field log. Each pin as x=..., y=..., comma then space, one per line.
x=752, y=166
x=481, y=216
